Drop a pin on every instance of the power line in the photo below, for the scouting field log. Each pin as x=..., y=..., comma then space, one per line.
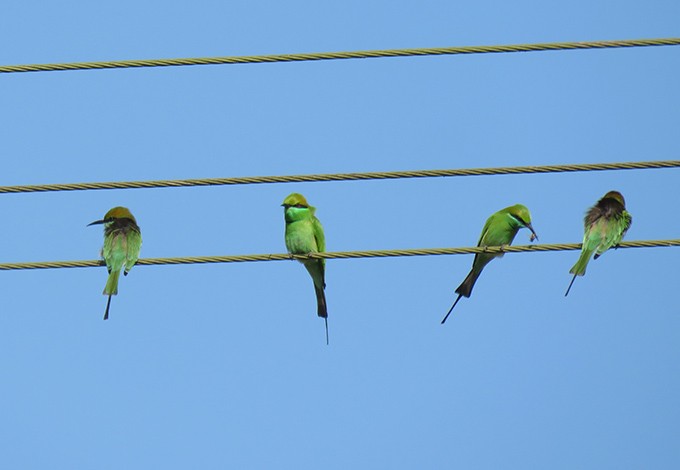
x=336, y=255
x=343, y=176
x=551, y=46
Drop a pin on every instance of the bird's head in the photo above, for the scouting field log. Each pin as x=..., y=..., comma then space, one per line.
x=617, y=196
x=295, y=200
x=114, y=214
x=296, y=207
x=522, y=216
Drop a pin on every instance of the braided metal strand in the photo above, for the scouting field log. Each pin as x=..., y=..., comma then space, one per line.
x=337, y=255
x=568, y=168
x=554, y=46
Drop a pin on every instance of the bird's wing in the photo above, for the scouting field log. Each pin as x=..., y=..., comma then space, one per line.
x=497, y=231
x=623, y=222
x=319, y=237
x=107, y=248
x=113, y=251
x=627, y=221
x=134, y=245
x=483, y=238
x=480, y=260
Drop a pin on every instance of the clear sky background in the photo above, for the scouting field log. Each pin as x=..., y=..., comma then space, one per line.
x=225, y=366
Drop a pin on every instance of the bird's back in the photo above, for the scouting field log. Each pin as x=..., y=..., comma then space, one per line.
x=606, y=224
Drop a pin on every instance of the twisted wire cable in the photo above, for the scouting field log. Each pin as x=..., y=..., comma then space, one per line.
x=337, y=255
x=568, y=168
x=552, y=46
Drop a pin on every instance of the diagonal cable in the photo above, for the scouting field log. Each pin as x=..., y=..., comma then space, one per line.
x=516, y=170
x=551, y=46
x=337, y=255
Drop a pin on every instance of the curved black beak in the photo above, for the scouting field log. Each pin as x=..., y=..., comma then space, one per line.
x=96, y=222
x=533, y=233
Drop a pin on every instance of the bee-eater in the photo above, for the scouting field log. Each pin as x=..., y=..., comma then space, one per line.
x=304, y=235
x=122, y=242
x=499, y=230
x=605, y=225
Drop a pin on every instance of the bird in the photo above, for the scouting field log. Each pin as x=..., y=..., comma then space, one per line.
x=499, y=230
x=304, y=235
x=122, y=242
x=605, y=225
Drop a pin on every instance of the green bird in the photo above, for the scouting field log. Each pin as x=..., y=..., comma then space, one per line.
x=304, y=235
x=605, y=225
x=499, y=230
x=122, y=242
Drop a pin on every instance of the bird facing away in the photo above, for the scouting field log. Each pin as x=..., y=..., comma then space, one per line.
x=605, y=225
x=304, y=235
x=122, y=242
x=499, y=230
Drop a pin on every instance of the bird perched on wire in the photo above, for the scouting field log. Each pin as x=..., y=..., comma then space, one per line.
x=499, y=230
x=122, y=242
x=605, y=225
x=304, y=235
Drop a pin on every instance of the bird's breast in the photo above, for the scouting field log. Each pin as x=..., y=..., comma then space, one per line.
x=300, y=238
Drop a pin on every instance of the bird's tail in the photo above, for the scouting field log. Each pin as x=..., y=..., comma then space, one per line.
x=451, y=309
x=106, y=312
x=321, y=309
x=111, y=287
x=465, y=288
x=579, y=269
x=570, y=284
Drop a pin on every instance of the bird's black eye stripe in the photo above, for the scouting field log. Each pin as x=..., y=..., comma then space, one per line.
x=519, y=219
x=300, y=206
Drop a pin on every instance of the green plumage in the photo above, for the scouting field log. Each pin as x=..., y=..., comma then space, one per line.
x=122, y=244
x=500, y=229
x=605, y=225
x=304, y=235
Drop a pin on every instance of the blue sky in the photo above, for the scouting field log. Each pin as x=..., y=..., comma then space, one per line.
x=225, y=366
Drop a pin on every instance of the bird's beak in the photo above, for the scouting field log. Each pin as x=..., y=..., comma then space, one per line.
x=96, y=222
x=533, y=233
